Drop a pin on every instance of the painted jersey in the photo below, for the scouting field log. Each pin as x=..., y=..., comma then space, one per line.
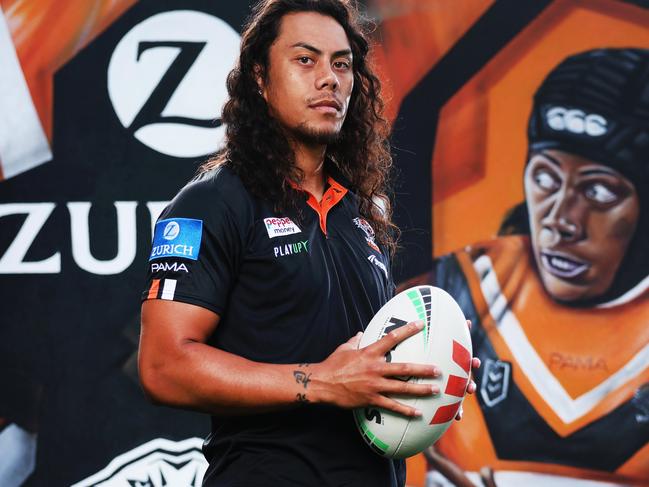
x=289, y=287
x=562, y=391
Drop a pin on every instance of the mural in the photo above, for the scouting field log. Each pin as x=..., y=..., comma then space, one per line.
x=521, y=141
x=556, y=285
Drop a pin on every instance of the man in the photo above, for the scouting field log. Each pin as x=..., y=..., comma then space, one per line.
x=265, y=269
x=561, y=303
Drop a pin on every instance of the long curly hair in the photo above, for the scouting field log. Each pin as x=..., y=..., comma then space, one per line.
x=256, y=147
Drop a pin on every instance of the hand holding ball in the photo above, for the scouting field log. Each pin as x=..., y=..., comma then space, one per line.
x=445, y=341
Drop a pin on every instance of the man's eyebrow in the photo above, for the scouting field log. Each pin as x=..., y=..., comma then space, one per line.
x=551, y=159
x=315, y=50
x=584, y=172
x=602, y=170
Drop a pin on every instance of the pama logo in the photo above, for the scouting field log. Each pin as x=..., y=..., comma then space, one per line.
x=157, y=463
x=166, y=81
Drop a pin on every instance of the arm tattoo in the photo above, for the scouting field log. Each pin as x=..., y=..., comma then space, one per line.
x=301, y=398
x=301, y=378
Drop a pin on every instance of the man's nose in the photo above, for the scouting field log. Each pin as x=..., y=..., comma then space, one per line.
x=327, y=79
x=565, y=217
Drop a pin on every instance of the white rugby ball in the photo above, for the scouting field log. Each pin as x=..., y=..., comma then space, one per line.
x=445, y=341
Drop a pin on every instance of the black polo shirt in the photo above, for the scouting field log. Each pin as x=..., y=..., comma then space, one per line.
x=290, y=287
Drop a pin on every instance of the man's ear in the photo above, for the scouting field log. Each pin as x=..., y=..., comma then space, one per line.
x=259, y=78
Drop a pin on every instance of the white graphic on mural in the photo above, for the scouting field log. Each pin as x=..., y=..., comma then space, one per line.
x=156, y=463
x=37, y=228
x=23, y=143
x=576, y=121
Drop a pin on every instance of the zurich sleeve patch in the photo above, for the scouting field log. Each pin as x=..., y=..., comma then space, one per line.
x=177, y=237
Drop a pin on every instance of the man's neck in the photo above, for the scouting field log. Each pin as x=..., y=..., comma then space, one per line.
x=310, y=158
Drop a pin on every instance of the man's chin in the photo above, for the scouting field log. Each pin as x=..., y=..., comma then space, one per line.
x=314, y=136
x=564, y=291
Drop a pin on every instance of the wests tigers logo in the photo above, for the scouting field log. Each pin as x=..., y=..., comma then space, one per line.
x=368, y=231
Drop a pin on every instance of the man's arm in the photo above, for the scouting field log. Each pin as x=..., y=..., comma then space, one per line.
x=177, y=368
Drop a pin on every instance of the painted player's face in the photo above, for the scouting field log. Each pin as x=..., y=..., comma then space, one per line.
x=582, y=217
x=310, y=78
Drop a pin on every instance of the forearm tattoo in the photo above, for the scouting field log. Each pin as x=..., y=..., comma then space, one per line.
x=303, y=378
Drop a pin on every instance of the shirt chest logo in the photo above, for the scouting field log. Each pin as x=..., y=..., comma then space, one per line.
x=374, y=260
x=278, y=227
x=291, y=248
x=368, y=231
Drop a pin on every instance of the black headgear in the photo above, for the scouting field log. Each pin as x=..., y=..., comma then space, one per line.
x=596, y=104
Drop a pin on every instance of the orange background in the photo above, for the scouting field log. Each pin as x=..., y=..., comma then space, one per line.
x=481, y=139
x=48, y=33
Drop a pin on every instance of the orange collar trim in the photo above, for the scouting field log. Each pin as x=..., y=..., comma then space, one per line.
x=331, y=197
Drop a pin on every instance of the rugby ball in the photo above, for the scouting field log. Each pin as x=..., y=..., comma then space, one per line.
x=445, y=341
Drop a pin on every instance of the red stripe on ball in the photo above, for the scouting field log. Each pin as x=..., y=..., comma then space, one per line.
x=461, y=356
x=445, y=413
x=456, y=386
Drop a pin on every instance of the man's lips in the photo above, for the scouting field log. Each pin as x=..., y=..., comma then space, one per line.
x=328, y=106
x=562, y=265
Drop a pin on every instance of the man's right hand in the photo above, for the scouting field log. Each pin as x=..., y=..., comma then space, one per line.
x=178, y=368
x=353, y=378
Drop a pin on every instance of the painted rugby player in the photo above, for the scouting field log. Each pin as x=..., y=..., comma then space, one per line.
x=561, y=299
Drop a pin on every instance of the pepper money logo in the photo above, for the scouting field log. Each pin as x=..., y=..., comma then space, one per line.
x=158, y=463
x=166, y=81
x=277, y=227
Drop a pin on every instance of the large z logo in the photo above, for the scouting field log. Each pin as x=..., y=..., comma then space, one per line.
x=166, y=81
x=152, y=110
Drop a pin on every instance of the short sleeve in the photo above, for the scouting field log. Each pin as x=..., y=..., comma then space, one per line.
x=198, y=243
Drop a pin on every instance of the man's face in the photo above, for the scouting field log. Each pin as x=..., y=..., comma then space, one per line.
x=310, y=77
x=582, y=216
